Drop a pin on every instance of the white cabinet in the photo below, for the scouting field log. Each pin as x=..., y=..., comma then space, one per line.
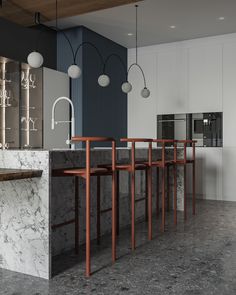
x=142, y=111
x=172, y=81
x=205, y=78
x=229, y=94
x=208, y=173
x=229, y=174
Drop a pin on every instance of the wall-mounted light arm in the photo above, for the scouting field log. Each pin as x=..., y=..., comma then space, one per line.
x=114, y=55
x=93, y=46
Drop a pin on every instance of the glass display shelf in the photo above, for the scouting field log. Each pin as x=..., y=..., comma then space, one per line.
x=21, y=105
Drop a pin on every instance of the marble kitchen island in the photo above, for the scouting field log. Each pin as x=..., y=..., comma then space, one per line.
x=30, y=207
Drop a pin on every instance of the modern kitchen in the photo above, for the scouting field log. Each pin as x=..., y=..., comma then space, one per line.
x=117, y=147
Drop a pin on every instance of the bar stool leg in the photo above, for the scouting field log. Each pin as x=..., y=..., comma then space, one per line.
x=133, y=210
x=157, y=194
x=185, y=195
x=114, y=220
x=150, y=203
x=168, y=188
x=175, y=195
x=194, y=192
x=98, y=209
x=118, y=203
x=146, y=195
x=163, y=200
x=76, y=215
x=88, y=257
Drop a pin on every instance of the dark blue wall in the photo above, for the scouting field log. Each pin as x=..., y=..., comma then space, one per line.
x=104, y=109
x=64, y=60
x=99, y=111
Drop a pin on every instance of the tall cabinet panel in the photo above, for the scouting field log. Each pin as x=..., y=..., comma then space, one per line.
x=229, y=94
x=141, y=111
x=229, y=107
x=205, y=78
x=172, y=81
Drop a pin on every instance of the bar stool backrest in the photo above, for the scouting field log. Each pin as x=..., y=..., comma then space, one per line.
x=88, y=141
x=185, y=143
x=163, y=143
x=133, y=141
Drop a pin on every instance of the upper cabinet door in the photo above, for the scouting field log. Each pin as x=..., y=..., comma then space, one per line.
x=172, y=81
x=142, y=111
x=205, y=78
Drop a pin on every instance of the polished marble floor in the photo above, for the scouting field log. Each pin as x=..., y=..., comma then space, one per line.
x=197, y=257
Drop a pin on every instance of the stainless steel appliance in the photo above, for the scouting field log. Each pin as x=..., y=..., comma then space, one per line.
x=206, y=128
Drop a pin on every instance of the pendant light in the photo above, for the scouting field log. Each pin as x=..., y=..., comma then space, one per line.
x=126, y=86
x=35, y=59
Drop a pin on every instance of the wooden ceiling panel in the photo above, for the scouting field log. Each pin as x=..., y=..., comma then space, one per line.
x=22, y=11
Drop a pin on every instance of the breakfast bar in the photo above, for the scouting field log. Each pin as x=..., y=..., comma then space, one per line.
x=30, y=207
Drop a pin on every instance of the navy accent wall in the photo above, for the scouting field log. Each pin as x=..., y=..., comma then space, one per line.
x=64, y=60
x=17, y=42
x=104, y=109
x=99, y=111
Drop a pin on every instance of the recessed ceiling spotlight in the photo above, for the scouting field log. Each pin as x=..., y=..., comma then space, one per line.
x=130, y=34
x=221, y=18
x=172, y=27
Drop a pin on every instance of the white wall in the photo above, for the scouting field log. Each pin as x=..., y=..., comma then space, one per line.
x=189, y=77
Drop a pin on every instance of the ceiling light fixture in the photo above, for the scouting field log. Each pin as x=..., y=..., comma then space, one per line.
x=35, y=59
x=173, y=27
x=130, y=34
x=221, y=18
x=126, y=86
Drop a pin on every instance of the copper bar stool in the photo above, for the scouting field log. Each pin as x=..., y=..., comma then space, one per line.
x=164, y=165
x=132, y=167
x=86, y=173
x=184, y=162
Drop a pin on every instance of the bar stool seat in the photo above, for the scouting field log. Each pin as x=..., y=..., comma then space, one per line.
x=82, y=172
x=128, y=167
x=182, y=162
x=160, y=163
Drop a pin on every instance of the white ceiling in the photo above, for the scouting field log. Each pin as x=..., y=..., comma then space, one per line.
x=192, y=18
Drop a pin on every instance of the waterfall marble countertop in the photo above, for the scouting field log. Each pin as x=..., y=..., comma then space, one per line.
x=29, y=207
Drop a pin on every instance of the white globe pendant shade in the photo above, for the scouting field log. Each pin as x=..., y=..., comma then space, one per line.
x=35, y=59
x=74, y=71
x=126, y=87
x=145, y=92
x=103, y=80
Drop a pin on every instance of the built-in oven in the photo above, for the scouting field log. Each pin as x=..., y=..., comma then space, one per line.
x=172, y=126
x=206, y=128
x=197, y=128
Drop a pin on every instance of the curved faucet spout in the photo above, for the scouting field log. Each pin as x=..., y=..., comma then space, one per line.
x=72, y=121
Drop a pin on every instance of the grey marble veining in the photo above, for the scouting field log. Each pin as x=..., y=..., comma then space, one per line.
x=24, y=215
x=198, y=257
